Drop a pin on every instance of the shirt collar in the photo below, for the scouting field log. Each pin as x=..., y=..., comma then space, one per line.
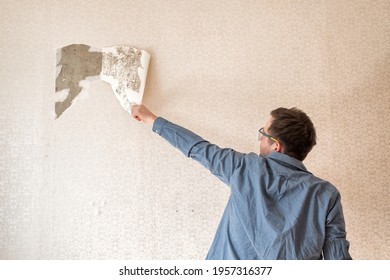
x=287, y=159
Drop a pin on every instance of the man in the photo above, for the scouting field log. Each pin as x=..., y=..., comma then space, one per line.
x=277, y=209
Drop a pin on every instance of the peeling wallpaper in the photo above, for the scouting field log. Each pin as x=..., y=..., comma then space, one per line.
x=94, y=184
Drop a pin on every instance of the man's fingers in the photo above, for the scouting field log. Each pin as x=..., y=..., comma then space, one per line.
x=133, y=109
x=132, y=104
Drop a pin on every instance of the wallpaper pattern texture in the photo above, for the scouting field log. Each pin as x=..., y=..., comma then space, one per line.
x=95, y=184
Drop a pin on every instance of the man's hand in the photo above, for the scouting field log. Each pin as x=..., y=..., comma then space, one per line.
x=141, y=113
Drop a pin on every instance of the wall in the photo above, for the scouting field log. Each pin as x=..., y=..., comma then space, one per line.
x=94, y=184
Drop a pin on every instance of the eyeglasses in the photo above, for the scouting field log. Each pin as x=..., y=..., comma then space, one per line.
x=261, y=131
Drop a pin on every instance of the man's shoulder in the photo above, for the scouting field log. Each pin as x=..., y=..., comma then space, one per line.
x=323, y=185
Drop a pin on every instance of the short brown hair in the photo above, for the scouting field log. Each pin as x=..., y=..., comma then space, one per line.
x=294, y=129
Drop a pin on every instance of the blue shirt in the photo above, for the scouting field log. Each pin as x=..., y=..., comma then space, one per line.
x=276, y=209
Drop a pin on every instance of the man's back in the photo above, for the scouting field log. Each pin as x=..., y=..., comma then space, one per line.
x=279, y=210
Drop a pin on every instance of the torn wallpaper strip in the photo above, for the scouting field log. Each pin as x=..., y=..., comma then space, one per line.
x=123, y=67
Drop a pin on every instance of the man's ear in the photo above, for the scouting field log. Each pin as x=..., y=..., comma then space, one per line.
x=277, y=147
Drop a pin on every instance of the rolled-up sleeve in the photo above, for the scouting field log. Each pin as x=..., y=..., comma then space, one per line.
x=220, y=162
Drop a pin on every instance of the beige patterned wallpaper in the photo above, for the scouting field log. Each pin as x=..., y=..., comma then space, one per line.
x=94, y=184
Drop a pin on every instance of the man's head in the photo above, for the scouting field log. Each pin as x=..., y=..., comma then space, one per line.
x=289, y=131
